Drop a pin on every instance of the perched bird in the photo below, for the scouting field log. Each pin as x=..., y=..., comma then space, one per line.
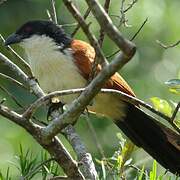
x=60, y=63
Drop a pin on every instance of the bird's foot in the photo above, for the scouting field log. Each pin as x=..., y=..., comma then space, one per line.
x=55, y=106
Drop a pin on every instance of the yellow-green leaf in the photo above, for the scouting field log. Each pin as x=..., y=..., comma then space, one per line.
x=162, y=106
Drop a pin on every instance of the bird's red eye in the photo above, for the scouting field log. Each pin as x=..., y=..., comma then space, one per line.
x=28, y=29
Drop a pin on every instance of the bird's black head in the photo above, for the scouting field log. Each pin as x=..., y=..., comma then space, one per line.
x=39, y=27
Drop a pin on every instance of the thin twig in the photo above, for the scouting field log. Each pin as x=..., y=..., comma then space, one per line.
x=130, y=5
x=59, y=178
x=100, y=41
x=54, y=11
x=168, y=46
x=14, y=81
x=49, y=15
x=93, y=132
x=127, y=47
x=22, y=63
x=138, y=31
x=11, y=96
x=123, y=11
x=85, y=27
x=133, y=37
x=175, y=112
x=13, y=67
x=139, y=170
x=102, y=33
x=78, y=26
x=123, y=19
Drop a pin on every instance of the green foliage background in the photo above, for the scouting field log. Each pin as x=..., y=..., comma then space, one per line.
x=146, y=73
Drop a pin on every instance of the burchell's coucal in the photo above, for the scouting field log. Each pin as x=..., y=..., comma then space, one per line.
x=60, y=62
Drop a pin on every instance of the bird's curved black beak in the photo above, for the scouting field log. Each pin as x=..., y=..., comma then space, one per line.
x=12, y=39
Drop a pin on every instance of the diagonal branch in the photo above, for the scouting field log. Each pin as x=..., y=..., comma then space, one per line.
x=11, y=96
x=102, y=33
x=14, y=81
x=84, y=158
x=78, y=26
x=54, y=11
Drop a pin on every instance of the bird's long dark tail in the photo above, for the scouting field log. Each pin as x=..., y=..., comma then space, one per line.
x=162, y=143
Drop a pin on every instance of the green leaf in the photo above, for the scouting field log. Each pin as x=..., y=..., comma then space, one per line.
x=153, y=172
x=103, y=170
x=140, y=177
x=162, y=106
x=174, y=91
x=174, y=86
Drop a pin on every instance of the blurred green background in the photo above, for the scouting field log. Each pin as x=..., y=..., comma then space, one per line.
x=146, y=72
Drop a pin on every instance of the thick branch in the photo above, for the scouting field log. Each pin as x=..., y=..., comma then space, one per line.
x=79, y=104
x=54, y=147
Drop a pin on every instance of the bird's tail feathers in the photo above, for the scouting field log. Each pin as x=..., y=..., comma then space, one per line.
x=162, y=143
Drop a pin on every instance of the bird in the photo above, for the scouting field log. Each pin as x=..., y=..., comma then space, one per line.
x=60, y=62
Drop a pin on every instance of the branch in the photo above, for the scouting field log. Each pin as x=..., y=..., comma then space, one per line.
x=54, y=11
x=11, y=96
x=125, y=97
x=31, y=82
x=168, y=46
x=54, y=147
x=14, y=81
x=13, y=67
x=140, y=28
x=133, y=37
x=78, y=26
x=85, y=27
x=84, y=158
x=102, y=33
x=175, y=112
x=130, y=5
x=49, y=15
x=95, y=138
x=79, y=104
x=127, y=47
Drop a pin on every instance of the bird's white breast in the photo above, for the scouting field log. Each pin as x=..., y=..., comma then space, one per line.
x=53, y=69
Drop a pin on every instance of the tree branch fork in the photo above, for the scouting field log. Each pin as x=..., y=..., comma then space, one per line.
x=46, y=135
